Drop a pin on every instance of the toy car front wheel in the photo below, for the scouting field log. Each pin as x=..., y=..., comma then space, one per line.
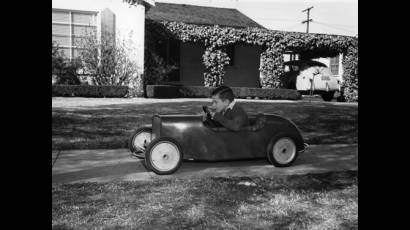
x=163, y=156
x=139, y=141
x=282, y=151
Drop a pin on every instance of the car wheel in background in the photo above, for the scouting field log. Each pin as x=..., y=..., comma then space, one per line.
x=139, y=141
x=163, y=156
x=282, y=151
x=328, y=96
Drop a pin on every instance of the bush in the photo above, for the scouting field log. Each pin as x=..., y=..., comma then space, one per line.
x=89, y=91
x=63, y=71
x=108, y=61
x=351, y=75
x=174, y=91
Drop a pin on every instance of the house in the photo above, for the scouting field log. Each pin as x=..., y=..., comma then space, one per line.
x=243, y=69
x=76, y=18
x=245, y=59
x=73, y=19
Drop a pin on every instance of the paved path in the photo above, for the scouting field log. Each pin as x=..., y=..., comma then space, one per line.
x=115, y=165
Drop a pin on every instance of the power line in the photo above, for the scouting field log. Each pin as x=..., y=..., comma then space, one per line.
x=339, y=25
x=308, y=20
x=351, y=31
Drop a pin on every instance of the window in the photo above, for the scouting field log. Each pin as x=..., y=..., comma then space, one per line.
x=230, y=51
x=334, y=65
x=69, y=26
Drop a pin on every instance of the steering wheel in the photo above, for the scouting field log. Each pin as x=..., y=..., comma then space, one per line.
x=209, y=121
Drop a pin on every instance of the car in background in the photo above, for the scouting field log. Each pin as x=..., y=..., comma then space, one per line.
x=311, y=77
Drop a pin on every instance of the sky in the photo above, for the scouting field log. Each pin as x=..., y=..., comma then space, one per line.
x=329, y=16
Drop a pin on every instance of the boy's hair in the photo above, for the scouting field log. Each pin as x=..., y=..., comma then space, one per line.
x=224, y=93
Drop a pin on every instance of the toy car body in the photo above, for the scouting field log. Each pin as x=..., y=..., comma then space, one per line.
x=315, y=78
x=173, y=138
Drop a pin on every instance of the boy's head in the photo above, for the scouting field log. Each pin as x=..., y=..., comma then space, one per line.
x=221, y=98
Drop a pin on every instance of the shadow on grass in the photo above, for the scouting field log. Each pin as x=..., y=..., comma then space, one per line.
x=285, y=202
x=110, y=126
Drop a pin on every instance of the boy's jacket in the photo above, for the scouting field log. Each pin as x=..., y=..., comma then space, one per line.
x=233, y=119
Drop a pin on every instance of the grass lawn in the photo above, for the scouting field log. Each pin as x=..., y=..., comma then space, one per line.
x=81, y=123
x=313, y=201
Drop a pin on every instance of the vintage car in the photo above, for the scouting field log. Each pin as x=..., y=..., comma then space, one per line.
x=173, y=138
x=311, y=77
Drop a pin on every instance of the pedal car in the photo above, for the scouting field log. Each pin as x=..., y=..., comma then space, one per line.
x=173, y=138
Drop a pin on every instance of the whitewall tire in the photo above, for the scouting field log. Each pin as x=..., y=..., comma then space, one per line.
x=282, y=151
x=139, y=140
x=163, y=156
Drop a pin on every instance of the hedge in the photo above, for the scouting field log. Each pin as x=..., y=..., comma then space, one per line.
x=175, y=91
x=89, y=91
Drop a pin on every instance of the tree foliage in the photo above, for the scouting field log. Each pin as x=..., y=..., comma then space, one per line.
x=64, y=71
x=107, y=61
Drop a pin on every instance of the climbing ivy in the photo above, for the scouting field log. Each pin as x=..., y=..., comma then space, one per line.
x=275, y=43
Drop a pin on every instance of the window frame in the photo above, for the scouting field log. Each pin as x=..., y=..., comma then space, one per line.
x=71, y=24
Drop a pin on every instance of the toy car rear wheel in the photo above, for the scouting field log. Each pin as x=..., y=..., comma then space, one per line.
x=282, y=151
x=139, y=141
x=163, y=156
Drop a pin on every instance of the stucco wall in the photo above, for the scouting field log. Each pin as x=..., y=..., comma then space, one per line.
x=245, y=71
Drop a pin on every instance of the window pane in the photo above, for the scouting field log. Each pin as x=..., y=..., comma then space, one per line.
x=84, y=30
x=83, y=18
x=79, y=41
x=61, y=29
x=62, y=40
x=76, y=52
x=61, y=17
x=66, y=52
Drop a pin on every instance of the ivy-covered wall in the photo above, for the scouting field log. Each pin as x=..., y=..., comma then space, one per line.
x=216, y=39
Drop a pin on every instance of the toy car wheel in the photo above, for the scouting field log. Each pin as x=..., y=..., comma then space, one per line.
x=163, y=156
x=282, y=151
x=139, y=141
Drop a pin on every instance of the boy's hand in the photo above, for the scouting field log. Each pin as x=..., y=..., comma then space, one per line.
x=204, y=116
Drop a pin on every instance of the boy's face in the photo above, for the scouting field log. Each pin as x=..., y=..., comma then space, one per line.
x=218, y=104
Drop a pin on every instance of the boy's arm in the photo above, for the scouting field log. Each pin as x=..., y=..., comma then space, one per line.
x=234, y=124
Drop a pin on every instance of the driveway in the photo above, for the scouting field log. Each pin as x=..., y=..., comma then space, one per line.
x=75, y=166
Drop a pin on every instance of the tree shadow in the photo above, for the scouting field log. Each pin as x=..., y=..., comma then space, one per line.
x=320, y=123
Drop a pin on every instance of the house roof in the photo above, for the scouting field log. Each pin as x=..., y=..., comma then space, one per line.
x=200, y=15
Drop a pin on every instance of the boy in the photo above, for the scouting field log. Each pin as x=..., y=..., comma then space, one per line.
x=227, y=112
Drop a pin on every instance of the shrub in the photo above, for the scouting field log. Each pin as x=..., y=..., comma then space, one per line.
x=351, y=74
x=63, y=70
x=174, y=91
x=108, y=61
x=89, y=91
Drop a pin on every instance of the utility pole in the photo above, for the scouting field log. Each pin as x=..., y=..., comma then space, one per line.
x=308, y=20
